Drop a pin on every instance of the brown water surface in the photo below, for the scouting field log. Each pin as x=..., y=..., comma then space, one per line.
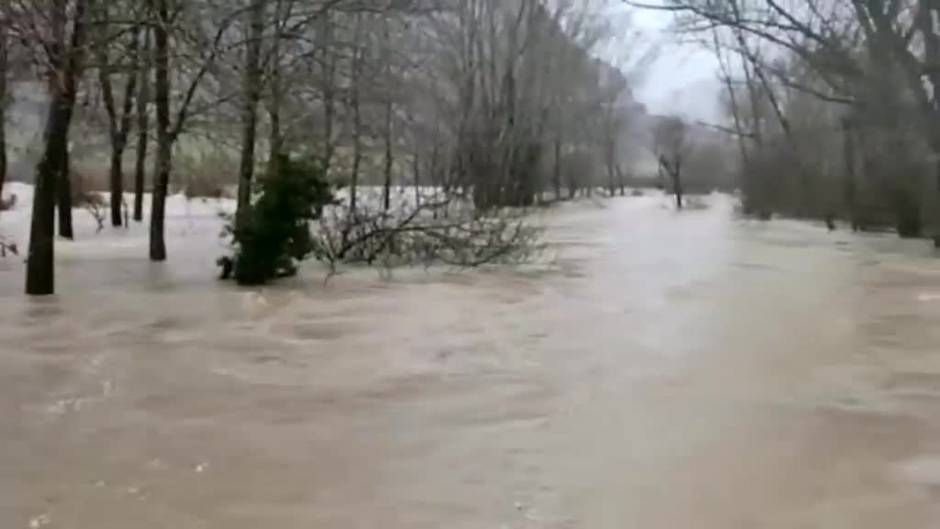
x=665, y=371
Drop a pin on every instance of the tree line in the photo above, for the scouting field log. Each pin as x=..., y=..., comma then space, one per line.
x=499, y=103
x=833, y=104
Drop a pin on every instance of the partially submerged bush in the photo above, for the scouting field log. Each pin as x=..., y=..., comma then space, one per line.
x=441, y=228
x=274, y=233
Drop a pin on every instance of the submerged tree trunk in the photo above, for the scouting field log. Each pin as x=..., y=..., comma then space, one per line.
x=251, y=97
x=164, y=140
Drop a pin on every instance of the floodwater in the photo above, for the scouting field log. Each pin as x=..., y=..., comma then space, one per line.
x=664, y=371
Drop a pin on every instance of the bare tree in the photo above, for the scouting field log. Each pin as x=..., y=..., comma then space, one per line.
x=4, y=61
x=63, y=45
x=119, y=112
x=669, y=144
x=459, y=90
x=165, y=20
x=251, y=97
x=871, y=63
x=144, y=72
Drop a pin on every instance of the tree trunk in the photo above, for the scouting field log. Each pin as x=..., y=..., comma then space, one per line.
x=3, y=106
x=677, y=183
x=389, y=111
x=417, y=170
x=389, y=160
x=52, y=180
x=674, y=171
x=936, y=212
x=143, y=128
x=164, y=139
x=611, y=179
x=64, y=198
x=848, y=153
x=251, y=97
x=329, y=87
x=52, y=170
x=357, y=118
x=556, y=170
x=119, y=120
x=40, y=273
x=117, y=183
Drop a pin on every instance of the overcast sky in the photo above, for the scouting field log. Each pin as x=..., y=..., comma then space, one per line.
x=683, y=79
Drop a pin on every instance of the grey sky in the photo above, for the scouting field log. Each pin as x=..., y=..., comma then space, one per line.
x=683, y=78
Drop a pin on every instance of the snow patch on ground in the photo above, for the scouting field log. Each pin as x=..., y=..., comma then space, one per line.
x=196, y=218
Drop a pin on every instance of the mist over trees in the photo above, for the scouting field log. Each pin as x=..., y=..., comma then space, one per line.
x=489, y=103
x=833, y=105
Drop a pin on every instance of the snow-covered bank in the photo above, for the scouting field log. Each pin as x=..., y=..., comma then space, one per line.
x=193, y=230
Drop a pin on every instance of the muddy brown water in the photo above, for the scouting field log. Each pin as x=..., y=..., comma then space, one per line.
x=662, y=371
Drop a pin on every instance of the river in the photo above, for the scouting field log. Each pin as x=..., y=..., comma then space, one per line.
x=661, y=371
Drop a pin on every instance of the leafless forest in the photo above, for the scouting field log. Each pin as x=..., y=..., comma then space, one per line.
x=833, y=105
x=828, y=112
x=490, y=104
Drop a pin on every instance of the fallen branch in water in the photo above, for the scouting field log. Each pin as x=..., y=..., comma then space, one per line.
x=438, y=230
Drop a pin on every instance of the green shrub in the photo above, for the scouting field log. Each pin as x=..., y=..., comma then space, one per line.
x=274, y=233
